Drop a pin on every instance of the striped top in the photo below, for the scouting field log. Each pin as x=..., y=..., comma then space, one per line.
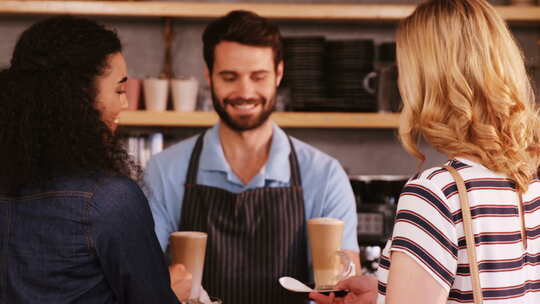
x=429, y=229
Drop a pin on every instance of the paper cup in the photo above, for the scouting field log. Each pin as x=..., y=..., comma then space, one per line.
x=184, y=93
x=133, y=93
x=155, y=93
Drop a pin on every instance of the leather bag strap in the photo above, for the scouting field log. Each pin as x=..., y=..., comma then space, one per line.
x=469, y=234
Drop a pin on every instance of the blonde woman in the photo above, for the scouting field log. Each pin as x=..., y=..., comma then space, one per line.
x=466, y=93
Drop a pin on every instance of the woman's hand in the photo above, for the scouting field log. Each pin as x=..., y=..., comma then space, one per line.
x=180, y=281
x=362, y=290
x=322, y=299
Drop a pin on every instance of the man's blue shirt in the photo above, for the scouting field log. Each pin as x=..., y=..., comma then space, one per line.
x=327, y=190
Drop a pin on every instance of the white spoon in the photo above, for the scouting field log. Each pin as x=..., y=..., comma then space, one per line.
x=293, y=284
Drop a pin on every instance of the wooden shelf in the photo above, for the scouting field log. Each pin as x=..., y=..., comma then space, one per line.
x=283, y=119
x=294, y=11
x=287, y=11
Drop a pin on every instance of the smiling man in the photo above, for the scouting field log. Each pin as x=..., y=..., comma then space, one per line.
x=245, y=182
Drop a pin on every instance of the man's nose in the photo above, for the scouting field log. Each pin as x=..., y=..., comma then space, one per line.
x=246, y=89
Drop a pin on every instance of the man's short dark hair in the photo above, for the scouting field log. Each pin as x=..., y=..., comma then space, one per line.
x=243, y=27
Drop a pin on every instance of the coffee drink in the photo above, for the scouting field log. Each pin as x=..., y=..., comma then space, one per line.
x=325, y=235
x=189, y=248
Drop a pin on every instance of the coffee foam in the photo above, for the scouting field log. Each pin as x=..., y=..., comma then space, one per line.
x=325, y=221
x=193, y=234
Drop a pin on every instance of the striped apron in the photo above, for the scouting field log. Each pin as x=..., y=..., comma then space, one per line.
x=254, y=237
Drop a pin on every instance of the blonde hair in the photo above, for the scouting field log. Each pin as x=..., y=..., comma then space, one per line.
x=465, y=88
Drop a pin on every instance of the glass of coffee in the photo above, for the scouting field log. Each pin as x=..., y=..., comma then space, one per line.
x=189, y=248
x=330, y=263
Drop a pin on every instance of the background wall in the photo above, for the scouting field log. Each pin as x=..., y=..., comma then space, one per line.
x=360, y=151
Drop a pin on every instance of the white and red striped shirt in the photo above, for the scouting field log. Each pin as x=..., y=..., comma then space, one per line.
x=429, y=229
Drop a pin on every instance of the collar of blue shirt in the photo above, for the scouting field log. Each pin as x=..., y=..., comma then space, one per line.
x=277, y=168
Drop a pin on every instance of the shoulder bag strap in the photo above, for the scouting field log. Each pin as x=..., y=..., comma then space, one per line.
x=469, y=235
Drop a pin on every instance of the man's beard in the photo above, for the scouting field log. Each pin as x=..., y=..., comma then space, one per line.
x=245, y=124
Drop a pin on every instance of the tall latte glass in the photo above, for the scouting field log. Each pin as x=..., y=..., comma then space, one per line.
x=330, y=264
x=189, y=248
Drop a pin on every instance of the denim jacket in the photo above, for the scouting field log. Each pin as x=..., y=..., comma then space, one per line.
x=81, y=240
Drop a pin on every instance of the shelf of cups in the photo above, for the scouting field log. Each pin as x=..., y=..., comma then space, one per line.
x=283, y=119
x=287, y=11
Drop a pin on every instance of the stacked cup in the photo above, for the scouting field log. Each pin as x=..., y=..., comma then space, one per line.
x=156, y=93
x=184, y=93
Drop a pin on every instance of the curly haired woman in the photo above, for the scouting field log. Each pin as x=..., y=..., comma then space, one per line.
x=74, y=227
x=466, y=93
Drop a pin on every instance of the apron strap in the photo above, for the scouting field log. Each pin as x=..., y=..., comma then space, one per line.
x=296, y=179
x=191, y=178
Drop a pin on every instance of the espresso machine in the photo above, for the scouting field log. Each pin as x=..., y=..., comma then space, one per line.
x=376, y=202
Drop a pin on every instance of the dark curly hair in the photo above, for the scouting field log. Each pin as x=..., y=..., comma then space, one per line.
x=49, y=124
